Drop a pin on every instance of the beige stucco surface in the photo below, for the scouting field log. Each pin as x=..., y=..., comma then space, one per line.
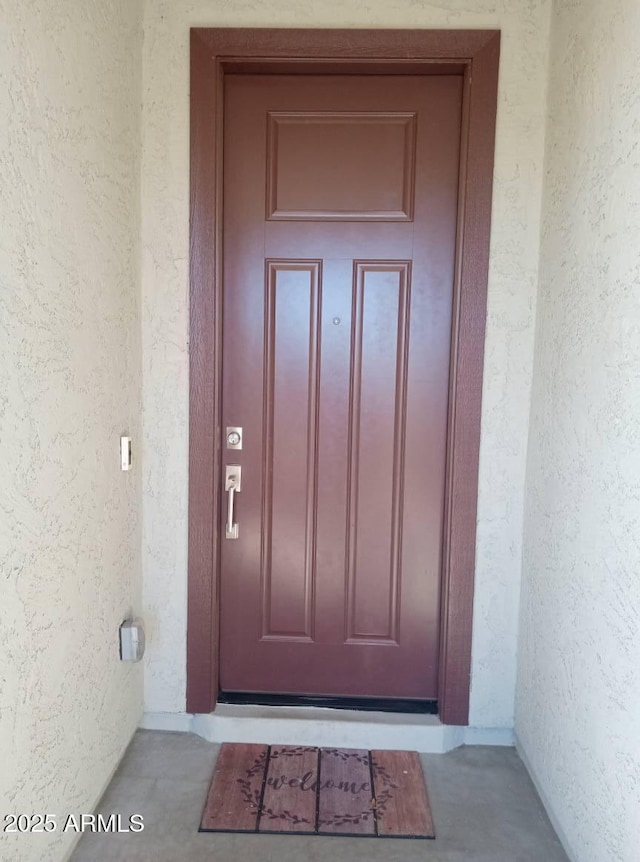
x=512, y=288
x=69, y=386
x=94, y=201
x=578, y=705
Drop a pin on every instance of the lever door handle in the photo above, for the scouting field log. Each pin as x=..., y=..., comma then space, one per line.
x=232, y=484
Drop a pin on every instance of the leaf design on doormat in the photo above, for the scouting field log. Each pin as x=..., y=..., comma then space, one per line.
x=250, y=795
x=382, y=799
x=347, y=819
x=285, y=815
x=382, y=773
x=297, y=751
x=345, y=756
x=378, y=803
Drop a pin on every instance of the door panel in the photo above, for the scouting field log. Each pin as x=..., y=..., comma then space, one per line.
x=340, y=198
x=316, y=169
x=376, y=448
x=291, y=393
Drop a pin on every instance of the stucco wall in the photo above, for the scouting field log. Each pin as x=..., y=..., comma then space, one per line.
x=69, y=386
x=513, y=279
x=578, y=705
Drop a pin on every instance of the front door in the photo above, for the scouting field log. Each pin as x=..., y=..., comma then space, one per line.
x=340, y=207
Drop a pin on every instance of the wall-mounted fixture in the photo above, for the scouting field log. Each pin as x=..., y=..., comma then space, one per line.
x=125, y=453
x=132, y=640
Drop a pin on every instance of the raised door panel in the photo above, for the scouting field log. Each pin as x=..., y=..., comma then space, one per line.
x=381, y=302
x=335, y=165
x=291, y=391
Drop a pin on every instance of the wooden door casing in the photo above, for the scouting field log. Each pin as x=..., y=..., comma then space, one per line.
x=214, y=54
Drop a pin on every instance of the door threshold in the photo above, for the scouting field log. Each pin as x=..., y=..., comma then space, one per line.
x=327, y=727
x=363, y=704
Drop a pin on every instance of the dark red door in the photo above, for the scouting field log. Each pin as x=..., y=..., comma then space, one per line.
x=340, y=196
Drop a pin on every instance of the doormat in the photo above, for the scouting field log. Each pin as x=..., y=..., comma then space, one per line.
x=318, y=791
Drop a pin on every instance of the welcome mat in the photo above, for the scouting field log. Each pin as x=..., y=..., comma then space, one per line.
x=317, y=791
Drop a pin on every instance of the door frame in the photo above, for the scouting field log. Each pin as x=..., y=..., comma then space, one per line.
x=214, y=53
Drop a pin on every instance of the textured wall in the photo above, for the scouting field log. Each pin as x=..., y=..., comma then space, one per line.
x=69, y=386
x=578, y=705
x=513, y=279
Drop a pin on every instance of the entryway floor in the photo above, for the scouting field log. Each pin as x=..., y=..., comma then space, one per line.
x=484, y=805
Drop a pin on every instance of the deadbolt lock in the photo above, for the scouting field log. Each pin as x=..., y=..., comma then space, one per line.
x=234, y=437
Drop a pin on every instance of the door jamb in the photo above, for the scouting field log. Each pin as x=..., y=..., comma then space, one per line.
x=214, y=52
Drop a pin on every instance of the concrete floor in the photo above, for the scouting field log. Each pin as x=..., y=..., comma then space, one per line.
x=484, y=806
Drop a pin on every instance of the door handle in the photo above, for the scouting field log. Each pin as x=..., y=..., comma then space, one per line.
x=232, y=484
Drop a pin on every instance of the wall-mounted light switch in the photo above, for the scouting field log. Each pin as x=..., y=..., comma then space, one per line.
x=125, y=453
